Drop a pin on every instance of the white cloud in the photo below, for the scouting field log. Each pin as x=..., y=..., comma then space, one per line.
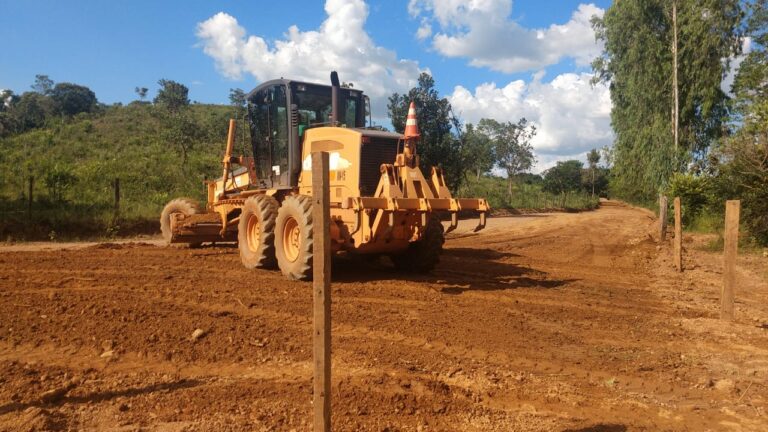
x=341, y=44
x=482, y=31
x=424, y=31
x=735, y=63
x=570, y=114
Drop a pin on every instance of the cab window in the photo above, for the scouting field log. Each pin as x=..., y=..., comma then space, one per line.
x=268, y=110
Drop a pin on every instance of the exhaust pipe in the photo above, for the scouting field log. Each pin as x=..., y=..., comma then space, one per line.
x=335, y=109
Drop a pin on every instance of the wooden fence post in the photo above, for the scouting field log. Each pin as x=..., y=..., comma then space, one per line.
x=732, y=210
x=321, y=287
x=678, y=236
x=663, y=208
x=117, y=197
x=31, y=197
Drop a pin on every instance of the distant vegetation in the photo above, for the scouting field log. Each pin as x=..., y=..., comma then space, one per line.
x=74, y=148
x=716, y=147
x=473, y=155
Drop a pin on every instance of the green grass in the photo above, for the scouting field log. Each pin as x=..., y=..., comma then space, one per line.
x=89, y=152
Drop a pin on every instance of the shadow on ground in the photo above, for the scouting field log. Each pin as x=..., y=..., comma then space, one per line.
x=600, y=428
x=460, y=270
x=100, y=396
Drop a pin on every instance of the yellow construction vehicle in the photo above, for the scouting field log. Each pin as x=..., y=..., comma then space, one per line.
x=381, y=203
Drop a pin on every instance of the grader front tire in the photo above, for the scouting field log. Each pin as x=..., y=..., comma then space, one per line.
x=423, y=255
x=185, y=206
x=256, y=232
x=294, y=237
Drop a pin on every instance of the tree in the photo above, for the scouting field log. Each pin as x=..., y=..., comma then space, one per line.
x=638, y=63
x=563, y=178
x=7, y=100
x=750, y=87
x=437, y=123
x=593, y=158
x=141, y=92
x=70, y=99
x=741, y=164
x=478, y=151
x=237, y=97
x=31, y=111
x=43, y=85
x=172, y=95
x=512, y=146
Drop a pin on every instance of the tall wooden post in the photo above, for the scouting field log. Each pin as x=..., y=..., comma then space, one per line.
x=678, y=236
x=321, y=288
x=732, y=210
x=31, y=197
x=663, y=208
x=117, y=198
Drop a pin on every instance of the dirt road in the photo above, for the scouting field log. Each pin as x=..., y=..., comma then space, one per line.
x=557, y=322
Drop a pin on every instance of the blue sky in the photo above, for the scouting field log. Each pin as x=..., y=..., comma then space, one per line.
x=112, y=47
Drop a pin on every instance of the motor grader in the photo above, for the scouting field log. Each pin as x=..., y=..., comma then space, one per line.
x=381, y=203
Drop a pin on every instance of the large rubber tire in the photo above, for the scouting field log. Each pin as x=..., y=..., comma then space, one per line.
x=185, y=206
x=423, y=255
x=294, y=237
x=256, y=232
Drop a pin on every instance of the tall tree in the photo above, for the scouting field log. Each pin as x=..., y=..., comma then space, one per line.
x=141, y=92
x=172, y=95
x=439, y=146
x=750, y=87
x=43, y=85
x=478, y=151
x=512, y=146
x=743, y=159
x=71, y=99
x=31, y=111
x=638, y=62
x=593, y=158
x=237, y=97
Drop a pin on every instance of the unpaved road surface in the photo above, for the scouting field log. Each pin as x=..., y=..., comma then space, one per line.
x=557, y=322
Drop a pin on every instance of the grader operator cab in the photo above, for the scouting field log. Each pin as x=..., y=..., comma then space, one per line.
x=381, y=203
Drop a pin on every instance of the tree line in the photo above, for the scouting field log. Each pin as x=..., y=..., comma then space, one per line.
x=74, y=147
x=677, y=130
x=497, y=148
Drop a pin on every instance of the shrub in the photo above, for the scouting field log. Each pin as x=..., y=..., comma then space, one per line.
x=694, y=192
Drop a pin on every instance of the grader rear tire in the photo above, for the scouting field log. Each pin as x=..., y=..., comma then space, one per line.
x=185, y=206
x=256, y=232
x=422, y=256
x=294, y=237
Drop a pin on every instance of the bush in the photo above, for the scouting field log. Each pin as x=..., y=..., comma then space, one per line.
x=695, y=194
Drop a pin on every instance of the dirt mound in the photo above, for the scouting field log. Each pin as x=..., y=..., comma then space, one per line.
x=122, y=245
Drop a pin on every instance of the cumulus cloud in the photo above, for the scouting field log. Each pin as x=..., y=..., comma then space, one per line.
x=424, y=31
x=341, y=43
x=482, y=31
x=572, y=116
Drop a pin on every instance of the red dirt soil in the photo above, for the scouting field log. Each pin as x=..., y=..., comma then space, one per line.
x=556, y=322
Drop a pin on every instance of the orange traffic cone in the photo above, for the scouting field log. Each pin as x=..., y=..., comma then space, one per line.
x=411, y=128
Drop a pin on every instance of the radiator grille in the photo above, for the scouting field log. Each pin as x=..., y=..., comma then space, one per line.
x=372, y=154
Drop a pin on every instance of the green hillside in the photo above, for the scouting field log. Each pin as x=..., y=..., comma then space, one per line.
x=74, y=162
